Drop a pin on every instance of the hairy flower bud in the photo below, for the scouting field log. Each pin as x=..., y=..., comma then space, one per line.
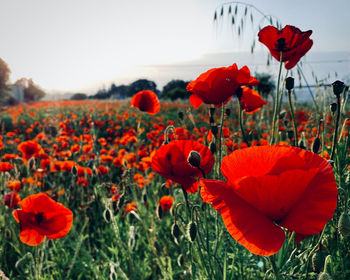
x=316, y=145
x=333, y=107
x=175, y=230
x=180, y=115
x=317, y=261
x=344, y=225
x=191, y=231
x=194, y=158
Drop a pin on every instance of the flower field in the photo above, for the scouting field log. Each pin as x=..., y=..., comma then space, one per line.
x=227, y=185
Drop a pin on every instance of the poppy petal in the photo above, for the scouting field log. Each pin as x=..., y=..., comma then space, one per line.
x=195, y=101
x=247, y=225
x=31, y=237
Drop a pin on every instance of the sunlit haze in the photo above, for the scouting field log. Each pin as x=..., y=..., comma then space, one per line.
x=84, y=45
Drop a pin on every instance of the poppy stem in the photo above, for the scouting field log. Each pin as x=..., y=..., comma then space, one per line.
x=289, y=94
x=335, y=135
x=244, y=136
x=220, y=136
x=276, y=107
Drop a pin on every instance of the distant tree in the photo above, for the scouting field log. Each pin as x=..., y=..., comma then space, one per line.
x=119, y=92
x=266, y=84
x=142, y=84
x=32, y=92
x=175, y=89
x=4, y=78
x=101, y=94
x=79, y=96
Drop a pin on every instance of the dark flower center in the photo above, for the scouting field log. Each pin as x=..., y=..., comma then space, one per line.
x=39, y=218
x=281, y=44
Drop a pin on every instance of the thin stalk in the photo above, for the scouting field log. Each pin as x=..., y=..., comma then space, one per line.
x=335, y=135
x=244, y=136
x=220, y=136
x=273, y=138
x=289, y=93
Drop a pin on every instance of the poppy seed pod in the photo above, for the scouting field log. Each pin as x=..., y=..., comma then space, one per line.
x=211, y=111
x=338, y=87
x=180, y=115
x=194, y=158
x=175, y=230
x=333, y=107
x=289, y=83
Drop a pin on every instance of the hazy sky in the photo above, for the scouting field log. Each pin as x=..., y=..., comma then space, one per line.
x=81, y=45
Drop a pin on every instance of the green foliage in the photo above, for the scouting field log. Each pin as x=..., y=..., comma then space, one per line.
x=79, y=96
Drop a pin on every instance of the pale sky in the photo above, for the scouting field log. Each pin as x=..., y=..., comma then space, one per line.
x=83, y=45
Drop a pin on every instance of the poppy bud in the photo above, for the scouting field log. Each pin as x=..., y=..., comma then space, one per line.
x=338, y=87
x=316, y=145
x=333, y=107
x=344, y=225
x=283, y=114
x=191, y=231
x=194, y=158
x=324, y=276
x=327, y=264
x=107, y=215
x=120, y=202
x=301, y=144
x=290, y=134
x=159, y=212
x=180, y=260
x=331, y=162
x=289, y=83
x=175, y=230
x=31, y=163
x=239, y=92
x=74, y=170
x=180, y=115
x=317, y=260
x=211, y=120
x=11, y=199
x=228, y=112
x=212, y=147
x=214, y=129
x=211, y=111
x=281, y=43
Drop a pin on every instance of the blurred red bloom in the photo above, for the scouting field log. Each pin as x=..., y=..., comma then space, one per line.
x=41, y=216
x=166, y=202
x=251, y=100
x=293, y=42
x=29, y=149
x=11, y=199
x=5, y=166
x=219, y=84
x=130, y=207
x=170, y=161
x=14, y=185
x=146, y=101
x=270, y=187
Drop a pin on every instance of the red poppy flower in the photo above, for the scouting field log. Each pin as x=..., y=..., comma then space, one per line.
x=146, y=101
x=131, y=207
x=29, y=149
x=219, y=84
x=5, y=166
x=270, y=187
x=11, y=199
x=251, y=100
x=166, y=202
x=41, y=216
x=293, y=42
x=171, y=162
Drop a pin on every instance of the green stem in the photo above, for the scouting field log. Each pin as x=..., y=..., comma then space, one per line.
x=244, y=136
x=335, y=135
x=220, y=136
x=289, y=93
x=276, y=107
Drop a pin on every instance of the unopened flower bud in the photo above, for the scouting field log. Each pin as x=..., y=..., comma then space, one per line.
x=194, y=158
x=344, y=225
x=324, y=276
x=211, y=120
x=212, y=147
x=74, y=170
x=159, y=212
x=175, y=230
x=214, y=129
x=180, y=260
x=338, y=87
x=289, y=83
x=180, y=115
x=191, y=231
x=316, y=145
x=317, y=261
x=333, y=107
x=228, y=112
